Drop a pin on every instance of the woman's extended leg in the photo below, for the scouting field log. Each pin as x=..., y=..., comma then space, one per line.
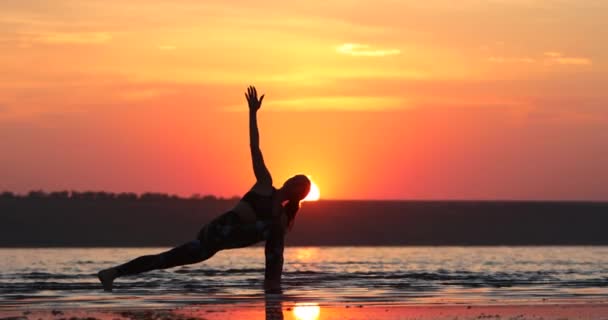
x=224, y=232
x=188, y=253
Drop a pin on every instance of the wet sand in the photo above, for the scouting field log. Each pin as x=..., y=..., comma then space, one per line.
x=314, y=312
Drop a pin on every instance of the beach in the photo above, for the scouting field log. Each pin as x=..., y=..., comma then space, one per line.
x=548, y=311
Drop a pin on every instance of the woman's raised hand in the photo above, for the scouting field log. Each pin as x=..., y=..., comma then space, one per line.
x=252, y=98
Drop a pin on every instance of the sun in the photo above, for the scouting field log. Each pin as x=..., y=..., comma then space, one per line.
x=314, y=194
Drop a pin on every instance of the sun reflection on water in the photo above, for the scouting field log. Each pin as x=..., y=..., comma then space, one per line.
x=306, y=311
x=306, y=254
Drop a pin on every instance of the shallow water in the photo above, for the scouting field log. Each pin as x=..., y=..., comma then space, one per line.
x=328, y=275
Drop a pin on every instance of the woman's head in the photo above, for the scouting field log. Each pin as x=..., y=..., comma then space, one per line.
x=296, y=188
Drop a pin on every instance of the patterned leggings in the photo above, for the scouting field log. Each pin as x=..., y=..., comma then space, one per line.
x=224, y=232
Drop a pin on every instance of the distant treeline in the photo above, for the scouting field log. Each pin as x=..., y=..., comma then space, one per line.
x=151, y=219
x=102, y=195
x=73, y=218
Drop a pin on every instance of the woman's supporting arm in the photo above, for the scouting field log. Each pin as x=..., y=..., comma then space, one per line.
x=262, y=174
x=273, y=251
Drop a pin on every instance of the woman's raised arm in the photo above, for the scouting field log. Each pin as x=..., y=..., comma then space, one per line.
x=262, y=174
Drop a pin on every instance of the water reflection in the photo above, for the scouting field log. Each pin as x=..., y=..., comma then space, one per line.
x=274, y=306
x=306, y=311
x=301, y=310
x=306, y=254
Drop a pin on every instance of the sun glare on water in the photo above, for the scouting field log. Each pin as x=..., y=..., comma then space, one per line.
x=314, y=193
x=306, y=311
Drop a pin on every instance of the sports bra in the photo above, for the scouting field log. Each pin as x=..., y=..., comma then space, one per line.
x=261, y=204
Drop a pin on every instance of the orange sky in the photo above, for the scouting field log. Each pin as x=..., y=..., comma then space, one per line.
x=493, y=99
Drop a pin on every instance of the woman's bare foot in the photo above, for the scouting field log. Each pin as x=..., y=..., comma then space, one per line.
x=107, y=277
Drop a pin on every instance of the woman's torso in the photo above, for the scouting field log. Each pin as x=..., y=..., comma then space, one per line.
x=247, y=223
x=256, y=205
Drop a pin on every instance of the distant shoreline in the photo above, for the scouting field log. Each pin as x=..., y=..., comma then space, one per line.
x=159, y=196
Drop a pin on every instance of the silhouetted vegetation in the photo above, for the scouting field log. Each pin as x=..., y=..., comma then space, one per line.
x=102, y=195
x=7, y=195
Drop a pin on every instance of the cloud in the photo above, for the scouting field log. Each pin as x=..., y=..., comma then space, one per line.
x=550, y=57
x=554, y=57
x=357, y=49
x=71, y=37
x=573, y=61
x=511, y=60
x=334, y=103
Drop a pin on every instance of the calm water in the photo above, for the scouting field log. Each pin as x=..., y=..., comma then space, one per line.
x=406, y=275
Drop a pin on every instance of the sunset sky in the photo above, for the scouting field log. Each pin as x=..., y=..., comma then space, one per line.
x=383, y=99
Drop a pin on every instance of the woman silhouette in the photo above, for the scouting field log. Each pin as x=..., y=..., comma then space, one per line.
x=264, y=213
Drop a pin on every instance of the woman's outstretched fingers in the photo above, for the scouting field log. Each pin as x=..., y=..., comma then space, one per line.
x=252, y=98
